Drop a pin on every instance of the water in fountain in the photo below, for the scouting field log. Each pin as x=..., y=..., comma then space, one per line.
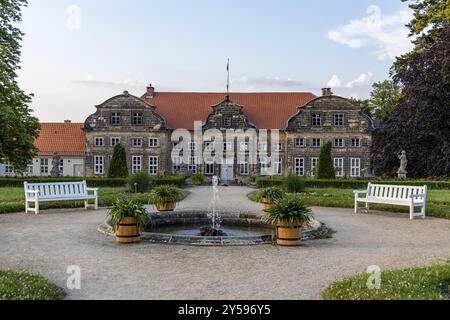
x=213, y=213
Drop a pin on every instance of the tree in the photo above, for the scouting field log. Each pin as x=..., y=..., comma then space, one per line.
x=118, y=165
x=420, y=124
x=325, y=167
x=429, y=14
x=384, y=98
x=18, y=129
x=364, y=104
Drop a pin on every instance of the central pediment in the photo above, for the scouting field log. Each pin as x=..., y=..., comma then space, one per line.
x=228, y=115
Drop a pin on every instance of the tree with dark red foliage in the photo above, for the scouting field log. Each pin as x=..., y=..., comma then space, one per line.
x=420, y=124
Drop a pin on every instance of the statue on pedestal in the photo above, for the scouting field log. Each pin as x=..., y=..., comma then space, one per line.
x=403, y=164
x=55, y=173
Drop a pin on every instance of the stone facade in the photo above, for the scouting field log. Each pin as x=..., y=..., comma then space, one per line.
x=335, y=119
x=128, y=120
x=135, y=124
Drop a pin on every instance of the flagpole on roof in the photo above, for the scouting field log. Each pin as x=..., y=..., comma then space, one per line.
x=228, y=80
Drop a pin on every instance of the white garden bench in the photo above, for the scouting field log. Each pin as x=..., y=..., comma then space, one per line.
x=58, y=191
x=410, y=196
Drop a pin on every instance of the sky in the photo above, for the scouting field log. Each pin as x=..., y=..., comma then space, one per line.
x=78, y=53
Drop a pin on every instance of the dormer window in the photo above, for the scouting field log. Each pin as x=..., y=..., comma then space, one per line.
x=316, y=119
x=137, y=119
x=227, y=121
x=115, y=118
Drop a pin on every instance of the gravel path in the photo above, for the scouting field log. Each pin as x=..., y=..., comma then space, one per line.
x=51, y=242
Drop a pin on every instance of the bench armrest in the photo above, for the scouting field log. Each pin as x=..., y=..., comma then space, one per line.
x=356, y=192
x=32, y=191
x=95, y=190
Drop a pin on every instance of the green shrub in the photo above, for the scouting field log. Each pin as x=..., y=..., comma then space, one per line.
x=139, y=182
x=272, y=194
x=166, y=194
x=288, y=210
x=128, y=209
x=118, y=165
x=325, y=166
x=268, y=182
x=15, y=285
x=177, y=181
x=295, y=184
x=198, y=179
x=91, y=182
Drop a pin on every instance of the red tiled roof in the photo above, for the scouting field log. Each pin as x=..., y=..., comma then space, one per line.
x=265, y=110
x=68, y=139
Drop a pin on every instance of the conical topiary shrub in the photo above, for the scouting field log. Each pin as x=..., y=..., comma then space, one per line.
x=118, y=165
x=325, y=167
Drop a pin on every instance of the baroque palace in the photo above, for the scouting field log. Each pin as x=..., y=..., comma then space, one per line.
x=145, y=125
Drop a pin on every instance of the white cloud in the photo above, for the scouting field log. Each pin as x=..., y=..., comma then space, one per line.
x=387, y=33
x=363, y=80
x=334, y=82
x=127, y=82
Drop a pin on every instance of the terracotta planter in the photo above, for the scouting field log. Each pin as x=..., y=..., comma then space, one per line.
x=163, y=207
x=289, y=235
x=127, y=231
x=266, y=204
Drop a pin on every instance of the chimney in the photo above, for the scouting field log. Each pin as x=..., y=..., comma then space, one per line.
x=326, y=92
x=67, y=121
x=150, y=92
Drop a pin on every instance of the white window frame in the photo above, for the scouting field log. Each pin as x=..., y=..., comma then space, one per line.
x=316, y=119
x=339, y=167
x=177, y=161
x=339, y=145
x=355, y=167
x=43, y=166
x=277, y=147
x=99, y=165
x=209, y=167
x=210, y=146
x=115, y=141
x=153, y=142
x=29, y=170
x=262, y=146
x=244, y=168
x=136, y=166
x=356, y=143
x=315, y=140
x=300, y=142
x=133, y=143
x=244, y=146
x=299, y=166
x=153, y=165
x=227, y=121
x=193, y=146
x=99, y=142
x=136, y=117
x=263, y=166
x=339, y=119
x=193, y=167
x=115, y=118
x=227, y=146
x=61, y=166
x=278, y=167
x=314, y=162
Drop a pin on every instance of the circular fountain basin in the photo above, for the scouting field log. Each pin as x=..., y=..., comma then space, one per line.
x=242, y=229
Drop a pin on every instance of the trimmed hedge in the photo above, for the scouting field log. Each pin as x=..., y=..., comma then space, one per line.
x=178, y=181
x=91, y=182
x=352, y=184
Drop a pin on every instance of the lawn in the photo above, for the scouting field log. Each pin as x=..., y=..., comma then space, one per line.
x=13, y=199
x=16, y=285
x=429, y=283
x=438, y=201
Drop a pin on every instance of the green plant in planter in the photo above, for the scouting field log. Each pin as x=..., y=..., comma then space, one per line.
x=166, y=194
x=123, y=208
x=289, y=210
x=272, y=194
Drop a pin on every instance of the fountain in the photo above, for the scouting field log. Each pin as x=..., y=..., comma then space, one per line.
x=213, y=214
